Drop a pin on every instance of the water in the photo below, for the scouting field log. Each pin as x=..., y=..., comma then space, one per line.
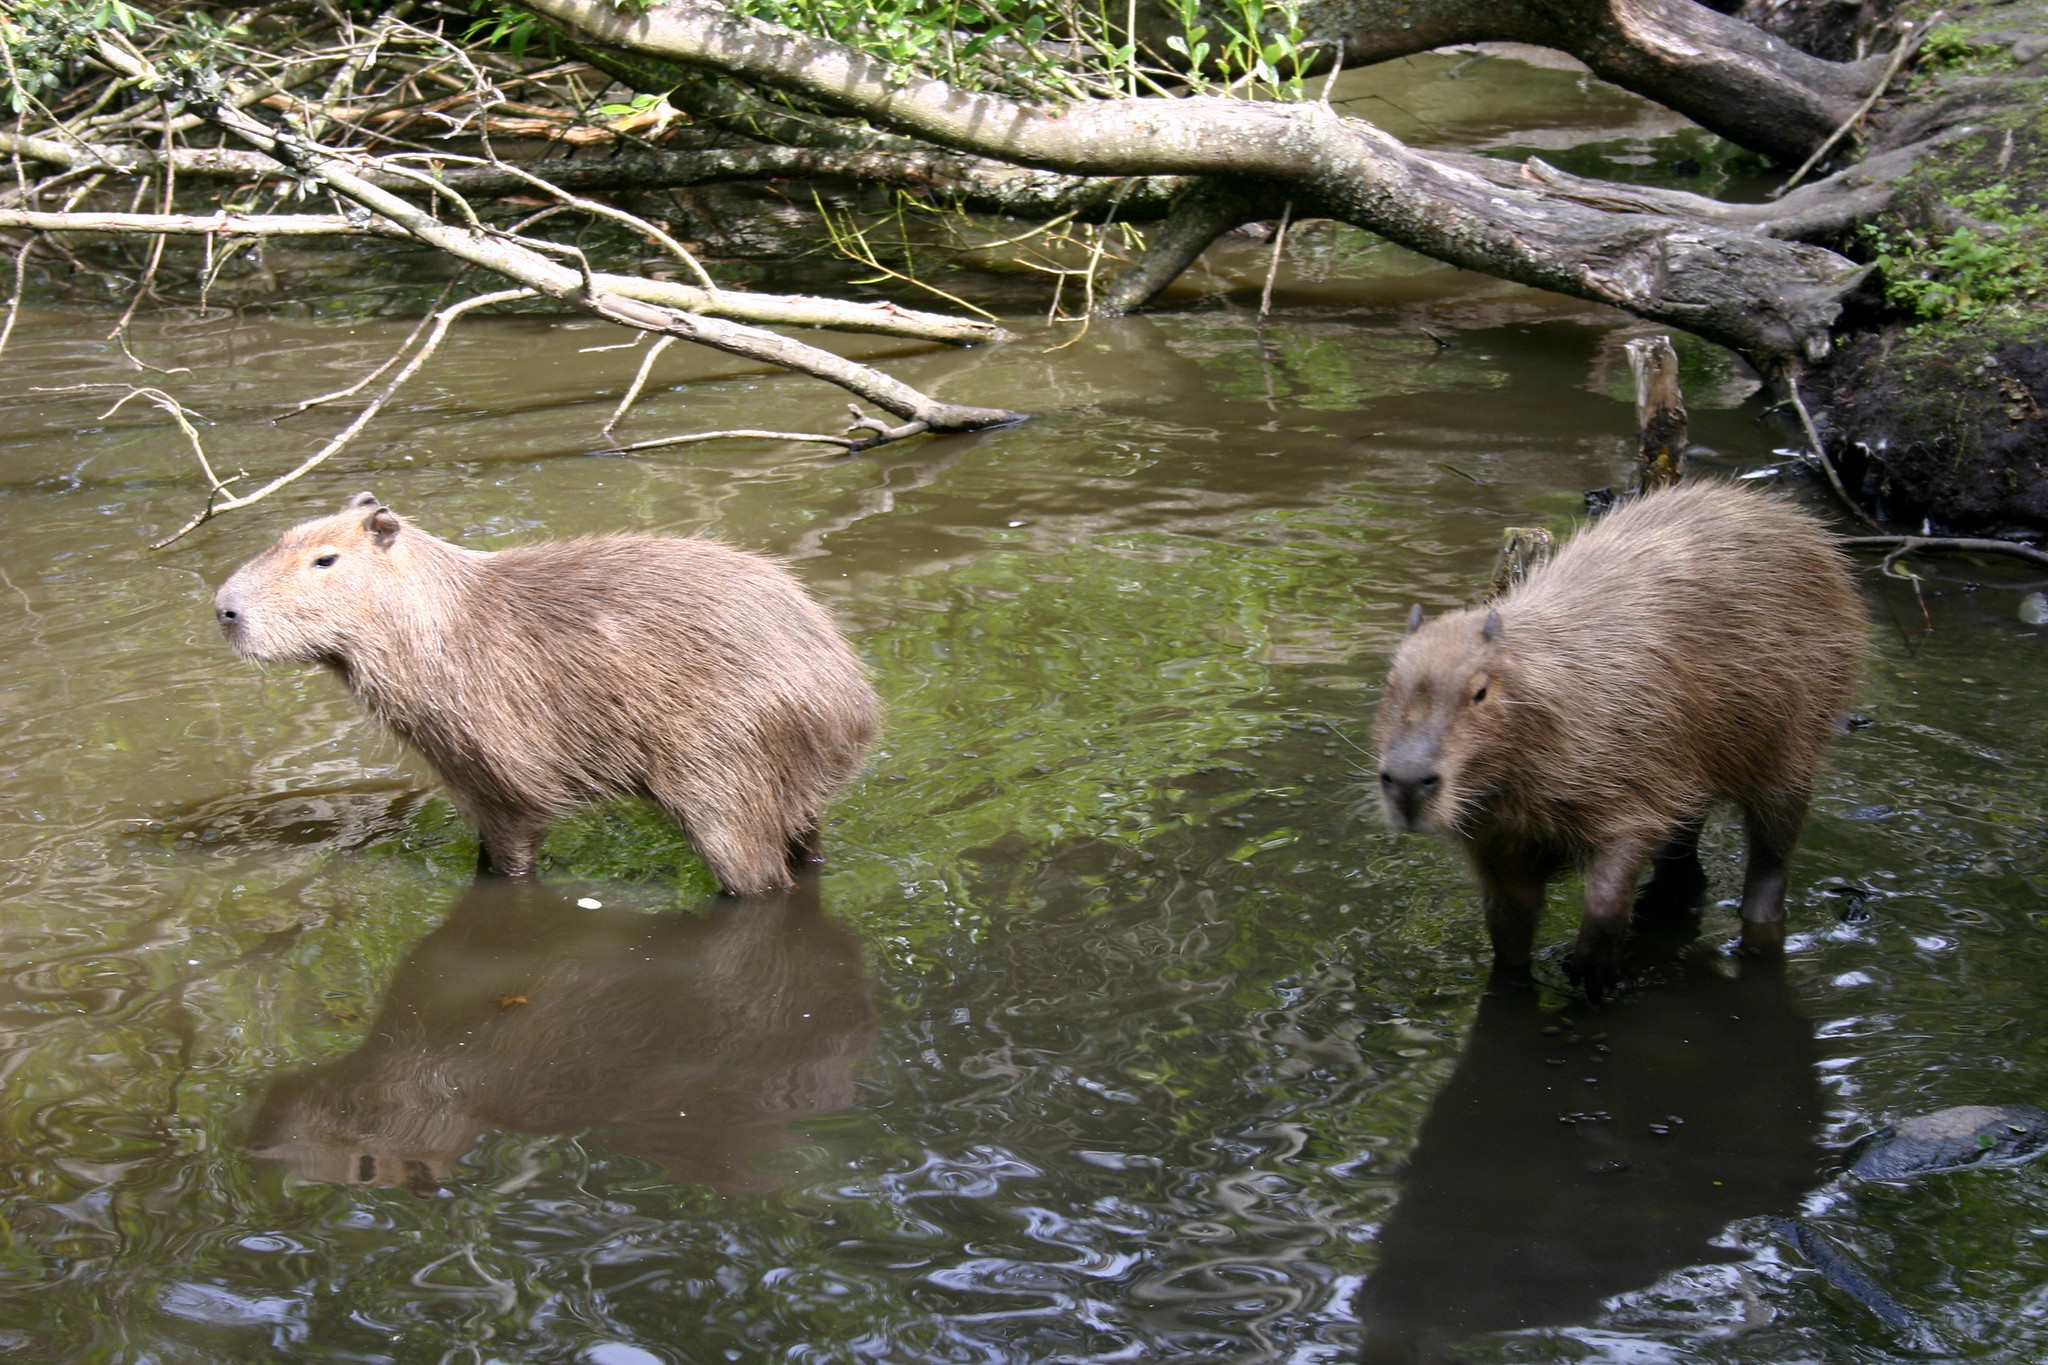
x=1114, y=1031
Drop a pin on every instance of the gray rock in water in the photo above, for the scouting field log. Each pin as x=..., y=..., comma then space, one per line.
x=1953, y=1140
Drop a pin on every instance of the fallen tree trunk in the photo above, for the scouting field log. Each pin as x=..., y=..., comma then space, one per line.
x=1771, y=299
x=1727, y=75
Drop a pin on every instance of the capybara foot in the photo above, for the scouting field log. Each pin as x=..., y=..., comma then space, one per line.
x=1762, y=938
x=1596, y=967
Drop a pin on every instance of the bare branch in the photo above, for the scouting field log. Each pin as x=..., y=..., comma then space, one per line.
x=639, y=382
x=442, y=321
x=211, y=225
x=786, y=310
x=1968, y=545
x=738, y=434
x=1820, y=453
x=14, y=294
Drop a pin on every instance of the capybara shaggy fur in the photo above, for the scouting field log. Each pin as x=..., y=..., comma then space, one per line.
x=1692, y=647
x=543, y=676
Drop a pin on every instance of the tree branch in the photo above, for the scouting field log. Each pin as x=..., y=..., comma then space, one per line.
x=786, y=310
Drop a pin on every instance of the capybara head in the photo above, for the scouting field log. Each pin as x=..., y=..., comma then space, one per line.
x=1445, y=710
x=305, y=598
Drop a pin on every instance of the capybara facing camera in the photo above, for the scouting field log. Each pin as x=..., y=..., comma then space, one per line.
x=543, y=676
x=1692, y=647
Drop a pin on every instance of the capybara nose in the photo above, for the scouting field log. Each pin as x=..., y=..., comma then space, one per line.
x=1410, y=793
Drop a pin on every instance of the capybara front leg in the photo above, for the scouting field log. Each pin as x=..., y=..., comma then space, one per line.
x=507, y=842
x=1511, y=888
x=1603, y=930
x=1773, y=832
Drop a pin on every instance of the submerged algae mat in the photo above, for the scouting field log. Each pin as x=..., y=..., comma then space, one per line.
x=1115, y=1029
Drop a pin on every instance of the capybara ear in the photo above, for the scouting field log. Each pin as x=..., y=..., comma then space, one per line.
x=382, y=525
x=360, y=500
x=1415, y=618
x=1491, y=630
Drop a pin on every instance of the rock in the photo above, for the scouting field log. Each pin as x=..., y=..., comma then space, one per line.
x=1953, y=1140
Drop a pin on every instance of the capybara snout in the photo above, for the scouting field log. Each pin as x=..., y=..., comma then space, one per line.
x=546, y=675
x=1691, y=648
x=1434, y=720
x=295, y=602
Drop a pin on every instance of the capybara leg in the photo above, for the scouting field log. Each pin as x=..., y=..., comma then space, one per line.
x=1773, y=831
x=746, y=861
x=1603, y=931
x=1677, y=881
x=1512, y=891
x=1677, y=863
x=506, y=843
x=806, y=850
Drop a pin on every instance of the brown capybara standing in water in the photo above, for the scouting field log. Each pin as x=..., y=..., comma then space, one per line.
x=542, y=676
x=1692, y=647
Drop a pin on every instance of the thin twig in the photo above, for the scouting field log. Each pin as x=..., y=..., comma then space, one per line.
x=1906, y=48
x=14, y=295
x=442, y=321
x=1966, y=545
x=590, y=206
x=661, y=343
x=1820, y=453
x=737, y=434
x=1273, y=266
x=156, y=250
x=426, y=321
x=178, y=413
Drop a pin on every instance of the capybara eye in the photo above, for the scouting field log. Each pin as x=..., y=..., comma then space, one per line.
x=1480, y=695
x=325, y=561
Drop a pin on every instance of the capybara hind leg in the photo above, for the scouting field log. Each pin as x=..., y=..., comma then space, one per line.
x=1603, y=930
x=806, y=850
x=1677, y=880
x=1677, y=864
x=506, y=843
x=1511, y=888
x=1773, y=832
x=746, y=861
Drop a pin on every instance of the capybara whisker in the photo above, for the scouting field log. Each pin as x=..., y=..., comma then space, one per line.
x=1691, y=647
x=546, y=675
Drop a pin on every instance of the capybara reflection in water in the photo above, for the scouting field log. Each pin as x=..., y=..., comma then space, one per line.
x=1692, y=647
x=543, y=676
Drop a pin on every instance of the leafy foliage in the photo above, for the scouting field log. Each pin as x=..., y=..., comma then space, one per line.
x=1972, y=271
x=40, y=38
x=1064, y=48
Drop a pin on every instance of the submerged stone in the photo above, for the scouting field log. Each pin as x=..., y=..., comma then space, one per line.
x=1952, y=1140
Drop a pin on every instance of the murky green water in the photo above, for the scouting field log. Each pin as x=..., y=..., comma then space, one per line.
x=1114, y=1031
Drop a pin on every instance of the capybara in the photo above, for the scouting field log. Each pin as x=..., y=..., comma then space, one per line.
x=1692, y=647
x=545, y=675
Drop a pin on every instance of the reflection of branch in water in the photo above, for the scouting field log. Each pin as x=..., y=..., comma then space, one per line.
x=1579, y=1155
x=694, y=1041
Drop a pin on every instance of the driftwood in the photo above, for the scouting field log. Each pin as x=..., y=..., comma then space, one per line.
x=1660, y=412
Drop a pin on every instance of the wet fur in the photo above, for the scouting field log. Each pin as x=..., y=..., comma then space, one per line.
x=540, y=677
x=1693, y=647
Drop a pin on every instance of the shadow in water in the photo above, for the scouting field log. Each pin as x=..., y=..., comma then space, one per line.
x=1582, y=1154
x=694, y=1041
